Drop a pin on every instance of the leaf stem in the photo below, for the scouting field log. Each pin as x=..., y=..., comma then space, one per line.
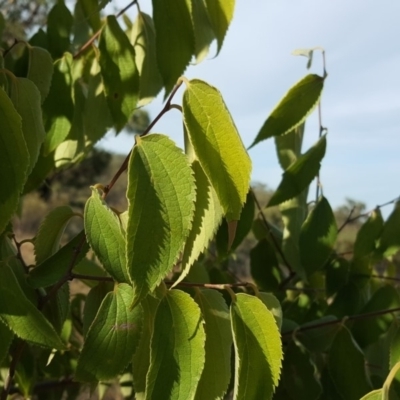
x=125, y=163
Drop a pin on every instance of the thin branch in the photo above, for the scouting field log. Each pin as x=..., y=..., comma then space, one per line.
x=97, y=34
x=11, y=372
x=343, y=320
x=124, y=165
x=367, y=214
x=348, y=219
x=221, y=286
x=276, y=244
x=83, y=277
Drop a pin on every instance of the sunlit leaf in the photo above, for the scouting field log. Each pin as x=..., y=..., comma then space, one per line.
x=258, y=349
x=14, y=159
x=300, y=174
x=288, y=147
x=217, y=145
x=58, y=107
x=91, y=12
x=104, y=234
x=141, y=358
x=161, y=195
x=317, y=237
x=218, y=345
x=21, y=316
x=96, y=113
x=119, y=72
x=112, y=337
x=202, y=28
x=177, y=353
x=174, y=39
x=207, y=217
x=144, y=41
x=293, y=109
x=273, y=305
x=220, y=13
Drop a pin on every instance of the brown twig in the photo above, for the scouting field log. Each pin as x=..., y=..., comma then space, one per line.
x=97, y=34
x=366, y=214
x=124, y=165
x=343, y=320
x=11, y=372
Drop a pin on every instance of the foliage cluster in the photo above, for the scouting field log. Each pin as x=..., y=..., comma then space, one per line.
x=164, y=314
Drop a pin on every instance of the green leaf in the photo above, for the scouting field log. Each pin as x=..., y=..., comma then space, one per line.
x=243, y=227
x=21, y=316
x=177, y=352
x=368, y=235
x=293, y=213
x=91, y=12
x=55, y=267
x=26, y=99
x=104, y=234
x=143, y=38
x=298, y=374
x=217, y=145
x=367, y=331
x=89, y=267
x=273, y=305
x=58, y=108
x=319, y=339
x=337, y=275
x=56, y=311
x=112, y=337
x=6, y=336
x=14, y=159
x=40, y=69
x=59, y=25
x=317, y=237
x=141, y=358
x=202, y=29
x=218, y=345
x=264, y=266
x=390, y=239
x=174, y=39
x=93, y=302
x=293, y=109
x=220, y=13
x=374, y=395
x=258, y=349
x=300, y=174
x=119, y=72
x=207, y=217
x=96, y=114
x=161, y=195
x=346, y=365
x=288, y=147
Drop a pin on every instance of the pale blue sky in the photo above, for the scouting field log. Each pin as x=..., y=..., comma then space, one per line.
x=360, y=102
